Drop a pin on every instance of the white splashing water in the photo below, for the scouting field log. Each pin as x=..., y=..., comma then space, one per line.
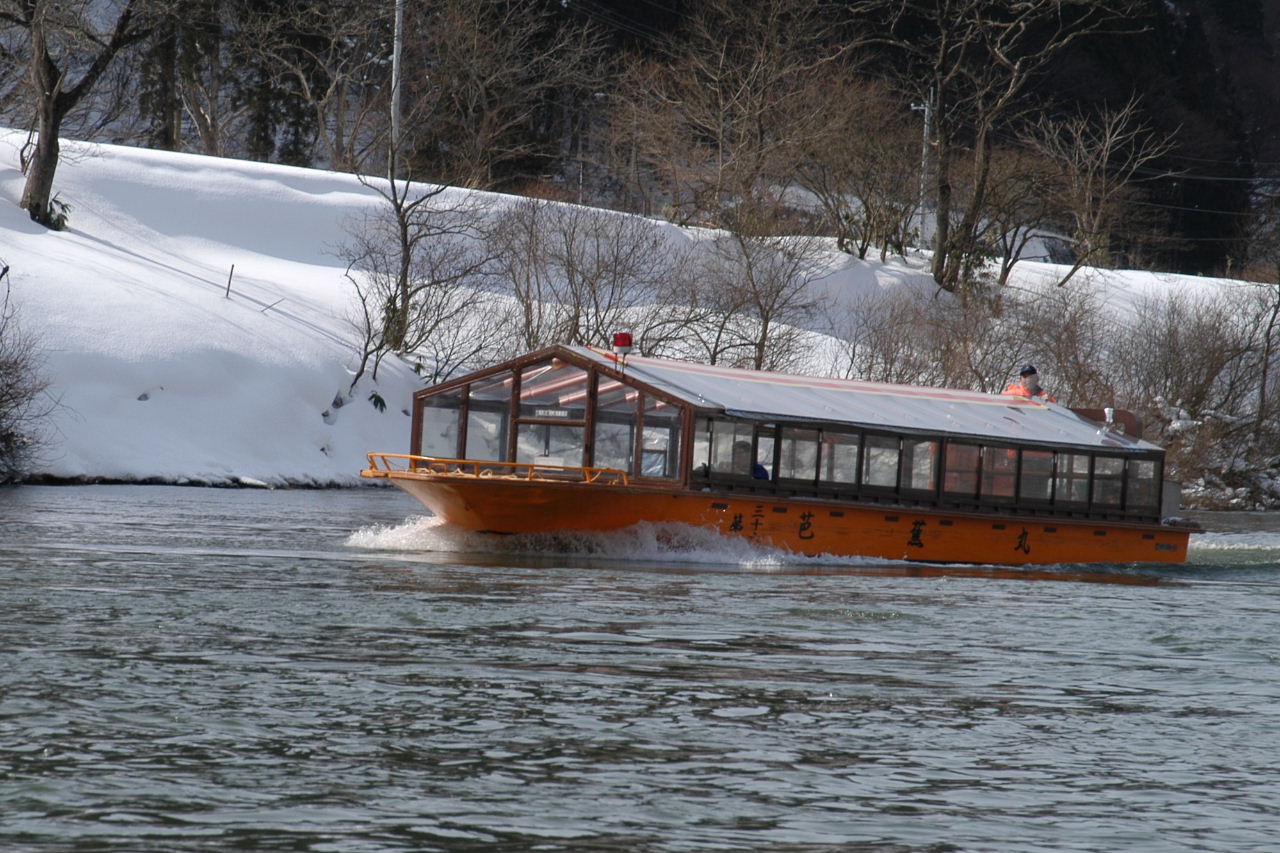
x=644, y=542
x=1253, y=540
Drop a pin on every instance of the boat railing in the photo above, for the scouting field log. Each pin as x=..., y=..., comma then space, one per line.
x=386, y=464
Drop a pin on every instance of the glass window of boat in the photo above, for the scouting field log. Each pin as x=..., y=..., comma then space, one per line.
x=880, y=460
x=731, y=447
x=1108, y=479
x=486, y=435
x=999, y=473
x=919, y=464
x=798, y=454
x=766, y=441
x=1142, y=488
x=553, y=400
x=491, y=389
x=960, y=477
x=488, y=417
x=1072, y=482
x=660, y=439
x=840, y=457
x=549, y=445
x=441, y=416
x=614, y=445
x=702, y=447
x=615, y=437
x=553, y=390
x=1035, y=480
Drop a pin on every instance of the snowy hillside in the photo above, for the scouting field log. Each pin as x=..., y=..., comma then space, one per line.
x=160, y=375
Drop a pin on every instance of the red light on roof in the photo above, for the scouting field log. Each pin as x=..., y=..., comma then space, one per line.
x=621, y=345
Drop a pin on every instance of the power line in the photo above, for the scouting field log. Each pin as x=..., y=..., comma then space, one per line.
x=1162, y=206
x=616, y=20
x=1225, y=179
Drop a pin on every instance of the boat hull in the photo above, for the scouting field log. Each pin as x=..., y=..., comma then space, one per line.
x=811, y=526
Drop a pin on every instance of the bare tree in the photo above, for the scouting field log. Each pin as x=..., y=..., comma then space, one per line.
x=481, y=80
x=1264, y=267
x=578, y=274
x=636, y=134
x=1022, y=194
x=68, y=48
x=1189, y=358
x=917, y=338
x=971, y=62
x=721, y=118
x=416, y=264
x=759, y=290
x=23, y=400
x=880, y=340
x=612, y=263
x=973, y=345
x=1070, y=335
x=1097, y=163
x=864, y=167
x=520, y=239
x=185, y=74
x=213, y=57
x=334, y=54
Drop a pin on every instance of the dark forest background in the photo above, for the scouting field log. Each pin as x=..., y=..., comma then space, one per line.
x=307, y=83
x=1208, y=72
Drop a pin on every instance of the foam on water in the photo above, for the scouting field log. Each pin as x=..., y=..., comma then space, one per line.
x=644, y=542
x=1254, y=540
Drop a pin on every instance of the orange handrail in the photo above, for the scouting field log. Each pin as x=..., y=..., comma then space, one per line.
x=380, y=465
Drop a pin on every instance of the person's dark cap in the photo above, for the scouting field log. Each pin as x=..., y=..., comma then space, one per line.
x=1027, y=370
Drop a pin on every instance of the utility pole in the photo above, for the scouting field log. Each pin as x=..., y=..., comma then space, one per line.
x=396, y=50
x=927, y=109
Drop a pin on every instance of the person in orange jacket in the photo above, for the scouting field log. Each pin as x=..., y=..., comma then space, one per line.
x=1028, y=385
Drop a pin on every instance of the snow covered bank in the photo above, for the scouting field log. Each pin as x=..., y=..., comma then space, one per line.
x=163, y=372
x=158, y=372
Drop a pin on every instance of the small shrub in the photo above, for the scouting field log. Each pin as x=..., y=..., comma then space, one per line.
x=23, y=401
x=59, y=214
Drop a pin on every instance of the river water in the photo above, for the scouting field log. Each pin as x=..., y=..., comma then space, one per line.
x=199, y=669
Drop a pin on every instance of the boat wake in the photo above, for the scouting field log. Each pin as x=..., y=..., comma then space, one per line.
x=428, y=538
x=645, y=542
x=1251, y=547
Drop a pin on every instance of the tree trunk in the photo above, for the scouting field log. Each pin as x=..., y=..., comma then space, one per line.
x=942, y=213
x=47, y=83
x=161, y=100
x=38, y=192
x=1267, y=349
x=55, y=96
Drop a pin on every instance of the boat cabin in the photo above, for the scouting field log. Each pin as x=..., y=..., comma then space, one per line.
x=579, y=412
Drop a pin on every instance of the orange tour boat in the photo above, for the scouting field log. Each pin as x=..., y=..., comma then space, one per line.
x=582, y=439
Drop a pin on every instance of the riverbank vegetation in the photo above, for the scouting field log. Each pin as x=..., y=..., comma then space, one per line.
x=23, y=390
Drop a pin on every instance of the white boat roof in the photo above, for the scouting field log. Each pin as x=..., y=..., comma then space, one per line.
x=765, y=396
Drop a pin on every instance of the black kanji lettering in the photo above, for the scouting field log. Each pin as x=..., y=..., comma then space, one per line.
x=917, y=534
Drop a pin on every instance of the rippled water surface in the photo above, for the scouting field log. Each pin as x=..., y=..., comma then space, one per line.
x=197, y=669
